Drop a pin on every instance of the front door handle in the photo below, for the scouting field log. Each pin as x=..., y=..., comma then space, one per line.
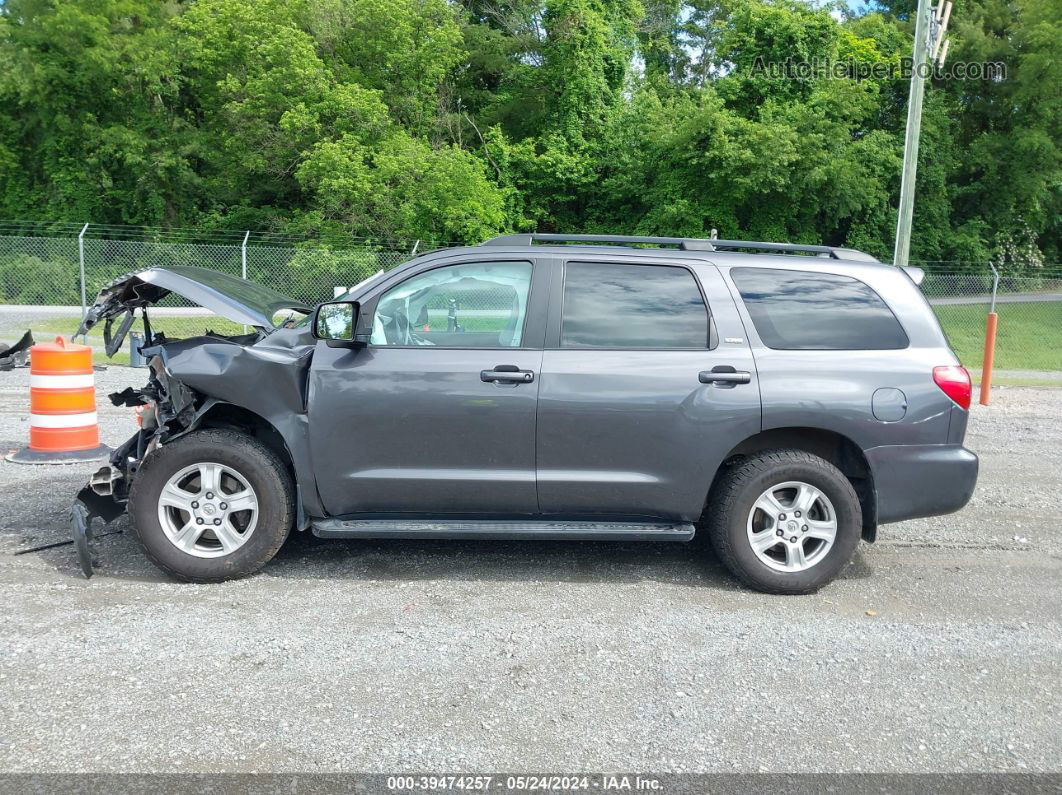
x=507, y=374
x=724, y=374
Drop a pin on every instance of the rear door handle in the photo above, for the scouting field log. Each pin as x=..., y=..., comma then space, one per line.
x=507, y=374
x=724, y=374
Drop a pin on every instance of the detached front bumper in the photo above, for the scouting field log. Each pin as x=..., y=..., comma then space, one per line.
x=104, y=497
x=915, y=481
x=87, y=506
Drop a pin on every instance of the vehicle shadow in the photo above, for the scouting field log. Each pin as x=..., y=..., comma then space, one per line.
x=305, y=556
x=37, y=527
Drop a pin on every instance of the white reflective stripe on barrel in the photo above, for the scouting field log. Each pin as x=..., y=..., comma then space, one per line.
x=60, y=381
x=63, y=420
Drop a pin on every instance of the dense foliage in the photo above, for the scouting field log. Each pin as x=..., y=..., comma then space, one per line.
x=406, y=119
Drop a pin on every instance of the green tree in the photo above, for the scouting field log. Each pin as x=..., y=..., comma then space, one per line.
x=1009, y=180
x=429, y=119
x=86, y=127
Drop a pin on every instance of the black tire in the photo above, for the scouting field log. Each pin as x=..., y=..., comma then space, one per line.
x=264, y=471
x=732, y=501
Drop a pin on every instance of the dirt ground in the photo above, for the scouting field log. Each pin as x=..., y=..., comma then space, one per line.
x=939, y=650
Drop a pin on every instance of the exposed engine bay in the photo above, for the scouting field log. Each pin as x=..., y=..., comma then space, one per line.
x=255, y=382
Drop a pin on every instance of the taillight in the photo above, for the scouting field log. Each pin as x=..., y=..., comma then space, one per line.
x=954, y=381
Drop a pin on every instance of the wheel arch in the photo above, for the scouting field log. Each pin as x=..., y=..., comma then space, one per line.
x=834, y=447
x=287, y=440
x=238, y=418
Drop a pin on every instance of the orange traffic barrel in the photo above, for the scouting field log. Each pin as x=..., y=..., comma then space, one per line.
x=64, y=426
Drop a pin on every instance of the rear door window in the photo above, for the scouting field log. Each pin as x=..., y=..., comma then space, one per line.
x=623, y=305
x=804, y=310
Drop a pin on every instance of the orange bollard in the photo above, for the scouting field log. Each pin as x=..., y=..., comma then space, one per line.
x=63, y=421
x=990, y=355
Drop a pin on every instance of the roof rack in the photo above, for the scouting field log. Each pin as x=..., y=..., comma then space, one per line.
x=684, y=243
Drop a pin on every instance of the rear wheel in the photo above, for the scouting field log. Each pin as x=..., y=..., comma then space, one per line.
x=213, y=505
x=784, y=521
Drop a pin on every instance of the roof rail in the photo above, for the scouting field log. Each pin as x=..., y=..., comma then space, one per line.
x=684, y=243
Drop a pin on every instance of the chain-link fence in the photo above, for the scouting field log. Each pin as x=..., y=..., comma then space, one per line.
x=1029, y=307
x=41, y=285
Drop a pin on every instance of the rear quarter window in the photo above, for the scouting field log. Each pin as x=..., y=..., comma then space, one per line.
x=804, y=310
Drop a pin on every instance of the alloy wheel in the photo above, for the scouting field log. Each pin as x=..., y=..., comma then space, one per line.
x=792, y=526
x=208, y=510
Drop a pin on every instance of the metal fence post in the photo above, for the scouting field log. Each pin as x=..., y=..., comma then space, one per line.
x=243, y=261
x=81, y=260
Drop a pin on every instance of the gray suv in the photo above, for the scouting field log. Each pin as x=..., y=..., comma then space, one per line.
x=785, y=400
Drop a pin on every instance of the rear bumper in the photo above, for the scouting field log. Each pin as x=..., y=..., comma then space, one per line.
x=913, y=481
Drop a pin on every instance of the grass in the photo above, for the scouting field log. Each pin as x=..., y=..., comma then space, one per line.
x=121, y=358
x=1028, y=336
x=190, y=326
x=44, y=329
x=170, y=326
x=1007, y=380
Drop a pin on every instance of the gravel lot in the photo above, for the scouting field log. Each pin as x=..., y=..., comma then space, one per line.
x=939, y=650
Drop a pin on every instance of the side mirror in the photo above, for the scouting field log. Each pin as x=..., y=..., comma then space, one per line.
x=335, y=323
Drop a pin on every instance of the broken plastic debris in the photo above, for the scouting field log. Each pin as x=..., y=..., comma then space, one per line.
x=16, y=355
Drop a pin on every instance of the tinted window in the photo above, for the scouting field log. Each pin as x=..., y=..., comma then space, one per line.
x=632, y=306
x=800, y=310
x=473, y=305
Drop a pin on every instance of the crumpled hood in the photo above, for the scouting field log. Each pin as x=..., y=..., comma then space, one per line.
x=230, y=297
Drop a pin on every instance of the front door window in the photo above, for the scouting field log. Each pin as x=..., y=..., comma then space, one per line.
x=472, y=305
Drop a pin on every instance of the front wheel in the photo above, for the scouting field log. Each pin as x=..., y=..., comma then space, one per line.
x=784, y=521
x=213, y=505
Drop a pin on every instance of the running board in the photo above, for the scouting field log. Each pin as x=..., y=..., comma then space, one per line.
x=503, y=531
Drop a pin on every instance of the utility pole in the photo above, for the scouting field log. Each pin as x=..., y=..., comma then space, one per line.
x=929, y=33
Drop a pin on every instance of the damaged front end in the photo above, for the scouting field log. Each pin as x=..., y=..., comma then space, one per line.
x=258, y=379
x=165, y=405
